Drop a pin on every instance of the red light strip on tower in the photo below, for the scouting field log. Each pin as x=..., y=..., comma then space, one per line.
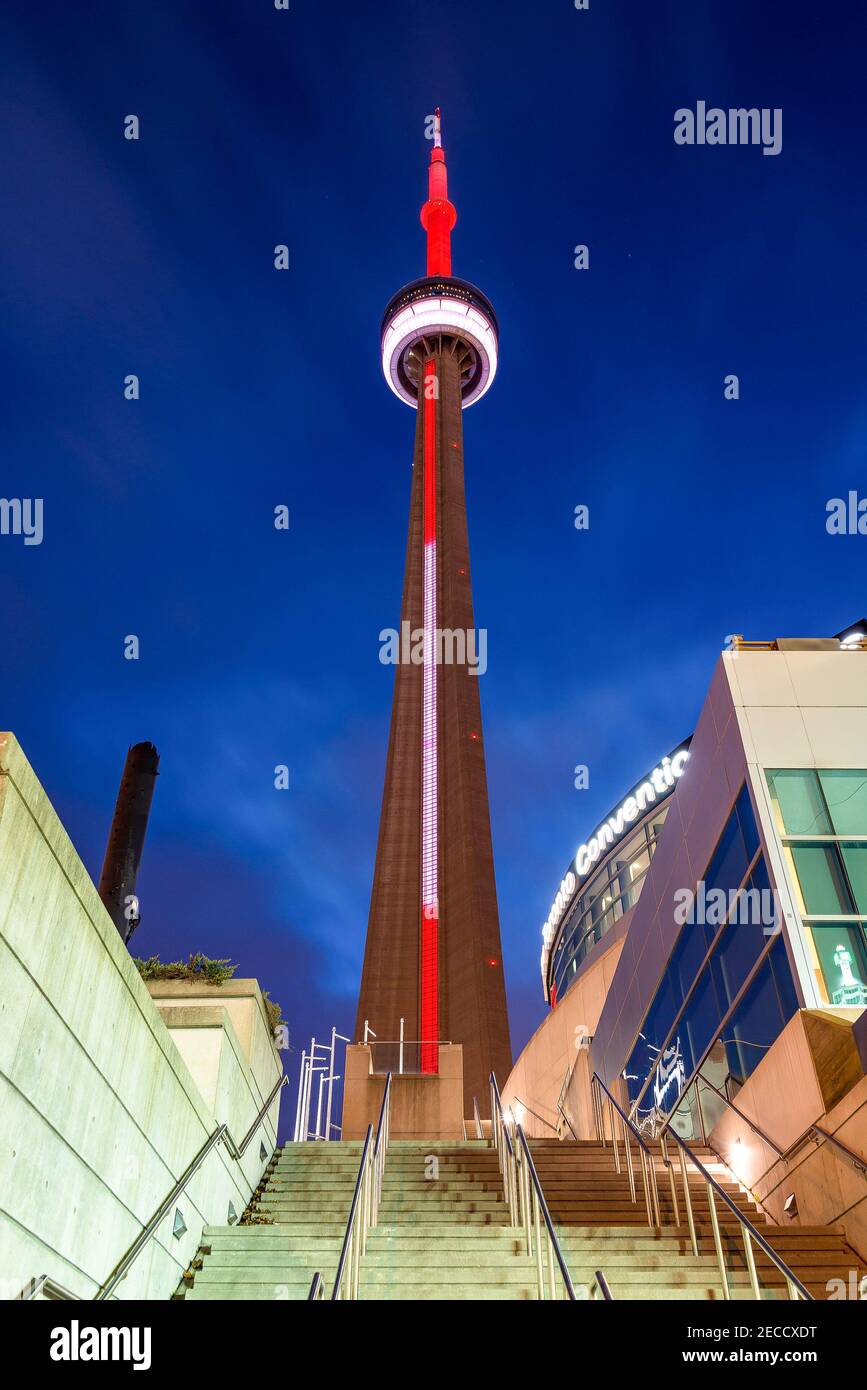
x=429, y=885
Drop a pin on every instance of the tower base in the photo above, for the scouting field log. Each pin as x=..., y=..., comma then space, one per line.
x=423, y=1106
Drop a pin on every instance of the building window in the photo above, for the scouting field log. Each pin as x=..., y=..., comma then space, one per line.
x=726, y=993
x=839, y=961
x=821, y=817
x=613, y=890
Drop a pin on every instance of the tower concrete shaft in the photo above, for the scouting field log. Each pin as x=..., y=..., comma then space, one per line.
x=465, y=934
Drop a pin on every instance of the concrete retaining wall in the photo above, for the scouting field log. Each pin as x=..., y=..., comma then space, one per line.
x=100, y=1112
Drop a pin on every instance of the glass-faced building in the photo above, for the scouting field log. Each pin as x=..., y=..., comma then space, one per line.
x=604, y=879
x=759, y=899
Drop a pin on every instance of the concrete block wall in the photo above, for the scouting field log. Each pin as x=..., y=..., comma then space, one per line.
x=100, y=1112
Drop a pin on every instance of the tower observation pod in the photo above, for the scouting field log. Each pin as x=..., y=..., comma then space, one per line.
x=433, y=961
x=439, y=308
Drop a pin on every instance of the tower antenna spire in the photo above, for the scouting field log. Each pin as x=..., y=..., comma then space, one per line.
x=438, y=215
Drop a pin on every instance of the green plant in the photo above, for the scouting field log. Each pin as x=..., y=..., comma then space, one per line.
x=198, y=967
x=275, y=1011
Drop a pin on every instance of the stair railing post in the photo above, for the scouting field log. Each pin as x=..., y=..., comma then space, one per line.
x=332, y=1078
x=646, y=1186
x=344, y=1278
x=717, y=1240
x=613, y=1136
x=309, y=1094
x=670, y=1166
x=300, y=1091
x=688, y=1201
x=322, y=1079
x=654, y=1189
x=525, y=1202
x=629, y=1168
x=751, y=1265
x=701, y=1123
x=538, y=1236
x=600, y=1118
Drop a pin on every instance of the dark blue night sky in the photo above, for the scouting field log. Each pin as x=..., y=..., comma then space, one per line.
x=260, y=647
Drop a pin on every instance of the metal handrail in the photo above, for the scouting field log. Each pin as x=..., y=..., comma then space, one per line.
x=536, y=1115
x=533, y=1204
x=221, y=1134
x=857, y=1162
x=383, y=1134
x=600, y=1287
x=45, y=1284
x=750, y=1232
x=648, y=1166
x=526, y=1200
x=746, y=1119
x=568, y=1121
x=502, y=1142
x=364, y=1207
x=317, y=1289
x=48, y=1287
x=480, y=1133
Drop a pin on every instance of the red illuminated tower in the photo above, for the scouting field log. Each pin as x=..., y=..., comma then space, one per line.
x=433, y=954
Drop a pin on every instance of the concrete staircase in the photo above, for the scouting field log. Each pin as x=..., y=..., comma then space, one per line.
x=599, y=1226
x=444, y=1233
x=306, y=1194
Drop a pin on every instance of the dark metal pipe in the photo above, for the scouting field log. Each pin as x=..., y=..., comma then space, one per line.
x=126, y=838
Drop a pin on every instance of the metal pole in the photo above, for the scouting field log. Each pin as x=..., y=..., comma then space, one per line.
x=613, y=1135
x=717, y=1240
x=688, y=1200
x=670, y=1166
x=646, y=1186
x=538, y=1235
x=305, y=1103
x=332, y=1078
x=311, y=1071
x=653, y=1188
x=309, y=1089
x=127, y=836
x=751, y=1264
x=629, y=1168
x=319, y=1105
x=330, y=1086
x=300, y=1089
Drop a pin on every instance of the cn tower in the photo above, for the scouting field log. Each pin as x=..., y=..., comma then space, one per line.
x=433, y=955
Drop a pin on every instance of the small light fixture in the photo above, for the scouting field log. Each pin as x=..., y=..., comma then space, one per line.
x=179, y=1225
x=790, y=1206
x=231, y=1215
x=263, y=1152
